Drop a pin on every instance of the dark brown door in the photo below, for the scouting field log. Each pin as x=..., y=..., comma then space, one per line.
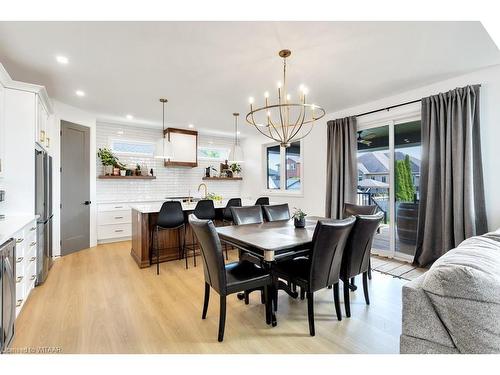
x=75, y=187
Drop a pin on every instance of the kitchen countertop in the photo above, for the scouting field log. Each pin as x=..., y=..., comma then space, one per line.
x=13, y=223
x=153, y=207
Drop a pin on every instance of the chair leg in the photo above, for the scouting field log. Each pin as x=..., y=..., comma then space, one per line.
x=275, y=295
x=353, y=281
x=205, y=301
x=157, y=253
x=262, y=295
x=194, y=248
x=184, y=251
x=302, y=293
x=370, y=269
x=178, y=243
x=365, y=287
x=310, y=312
x=336, y=300
x=247, y=295
x=346, y=298
x=222, y=318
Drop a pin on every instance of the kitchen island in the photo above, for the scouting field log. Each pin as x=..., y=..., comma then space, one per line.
x=144, y=216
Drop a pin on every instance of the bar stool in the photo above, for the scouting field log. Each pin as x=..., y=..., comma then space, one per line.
x=170, y=217
x=227, y=216
x=204, y=210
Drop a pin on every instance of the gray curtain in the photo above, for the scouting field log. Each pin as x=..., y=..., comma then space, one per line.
x=452, y=204
x=341, y=173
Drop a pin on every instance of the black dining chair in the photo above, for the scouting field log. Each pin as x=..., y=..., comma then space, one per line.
x=321, y=268
x=356, y=259
x=247, y=215
x=226, y=279
x=243, y=216
x=203, y=210
x=353, y=210
x=262, y=201
x=170, y=217
x=227, y=216
x=277, y=212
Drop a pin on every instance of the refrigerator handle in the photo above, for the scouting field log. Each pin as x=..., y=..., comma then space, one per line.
x=10, y=276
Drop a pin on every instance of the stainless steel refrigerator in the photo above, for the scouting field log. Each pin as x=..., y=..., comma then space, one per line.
x=7, y=293
x=43, y=208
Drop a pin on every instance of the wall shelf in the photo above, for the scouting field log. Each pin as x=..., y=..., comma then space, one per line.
x=103, y=177
x=223, y=178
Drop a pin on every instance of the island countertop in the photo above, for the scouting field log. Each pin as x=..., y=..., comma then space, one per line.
x=154, y=207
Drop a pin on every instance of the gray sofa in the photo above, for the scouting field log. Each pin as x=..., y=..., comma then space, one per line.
x=455, y=306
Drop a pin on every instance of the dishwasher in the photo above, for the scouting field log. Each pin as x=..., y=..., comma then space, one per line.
x=8, y=293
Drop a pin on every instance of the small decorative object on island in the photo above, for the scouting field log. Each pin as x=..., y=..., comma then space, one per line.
x=299, y=218
x=286, y=121
x=108, y=160
x=236, y=169
x=214, y=197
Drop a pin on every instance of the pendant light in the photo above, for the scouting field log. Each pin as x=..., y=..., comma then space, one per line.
x=163, y=147
x=236, y=154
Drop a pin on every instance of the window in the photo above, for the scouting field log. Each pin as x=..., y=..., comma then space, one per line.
x=126, y=147
x=213, y=153
x=287, y=179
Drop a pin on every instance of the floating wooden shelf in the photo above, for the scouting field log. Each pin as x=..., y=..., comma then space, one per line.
x=223, y=178
x=127, y=177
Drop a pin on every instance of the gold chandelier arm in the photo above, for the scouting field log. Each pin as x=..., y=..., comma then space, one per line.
x=305, y=135
x=300, y=118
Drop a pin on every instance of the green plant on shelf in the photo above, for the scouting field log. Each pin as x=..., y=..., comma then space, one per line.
x=107, y=157
x=235, y=168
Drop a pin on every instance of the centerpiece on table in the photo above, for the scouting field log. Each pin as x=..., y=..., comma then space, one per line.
x=299, y=218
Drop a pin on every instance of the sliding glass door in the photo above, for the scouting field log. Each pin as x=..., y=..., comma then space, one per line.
x=388, y=177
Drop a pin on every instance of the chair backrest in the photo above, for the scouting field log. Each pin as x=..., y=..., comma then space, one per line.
x=170, y=215
x=329, y=239
x=226, y=212
x=354, y=209
x=205, y=209
x=211, y=252
x=247, y=215
x=262, y=201
x=277, y=212
x=356, y=258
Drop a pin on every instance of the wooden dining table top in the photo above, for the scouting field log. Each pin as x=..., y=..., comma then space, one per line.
x=270, y=238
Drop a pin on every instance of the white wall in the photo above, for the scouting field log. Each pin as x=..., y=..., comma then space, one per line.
x=313, y=200
x=68, y=113
x=169, y=182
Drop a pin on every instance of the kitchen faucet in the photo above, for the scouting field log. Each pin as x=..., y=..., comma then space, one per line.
x=206, y=190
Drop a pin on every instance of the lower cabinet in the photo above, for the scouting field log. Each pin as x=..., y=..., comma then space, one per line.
x=114, y=222
x=25, y=263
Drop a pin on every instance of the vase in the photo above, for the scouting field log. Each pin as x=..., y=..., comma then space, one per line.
x=299, y=223
x=108, y=170
x=123, y=172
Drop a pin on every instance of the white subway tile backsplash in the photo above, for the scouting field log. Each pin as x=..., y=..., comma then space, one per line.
x=173, y=181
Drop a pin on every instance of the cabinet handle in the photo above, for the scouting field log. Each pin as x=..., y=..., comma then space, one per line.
x=32, y=259
x=118, y=230
x=33, y=244
x=19, y=240
x=118, y=217
x=19, y=260
x=32, y=229
x=48, y=142
x=19, y=302
x=42, y=135
x=33, y=277
x=19, y=279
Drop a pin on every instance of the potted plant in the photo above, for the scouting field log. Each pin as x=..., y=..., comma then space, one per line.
x=108, y=160
x=138, y=170
x=299, y=218
x=236, y=169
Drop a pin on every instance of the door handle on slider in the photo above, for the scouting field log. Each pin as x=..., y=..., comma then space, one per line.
x=86, y=203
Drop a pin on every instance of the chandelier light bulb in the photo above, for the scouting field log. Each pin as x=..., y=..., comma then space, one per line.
x=250, y=100
x=266, y=94
x=279, y=84
x=288, y=97
x=268, y=113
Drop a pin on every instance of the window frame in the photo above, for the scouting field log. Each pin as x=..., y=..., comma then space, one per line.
x=112, y=140
x=282, y=191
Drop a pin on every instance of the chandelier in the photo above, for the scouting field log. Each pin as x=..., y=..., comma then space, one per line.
x=285, y=121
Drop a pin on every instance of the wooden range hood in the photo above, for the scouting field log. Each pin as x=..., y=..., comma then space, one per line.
x=184, y=147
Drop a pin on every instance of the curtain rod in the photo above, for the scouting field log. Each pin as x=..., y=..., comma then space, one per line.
x=388, y=108
x=396, y=105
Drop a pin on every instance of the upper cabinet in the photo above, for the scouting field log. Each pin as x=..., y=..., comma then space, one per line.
x=184, y=147
x=2, y=129
x=42, y=126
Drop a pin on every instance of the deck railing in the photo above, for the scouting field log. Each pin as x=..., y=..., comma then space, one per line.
x=367, y=199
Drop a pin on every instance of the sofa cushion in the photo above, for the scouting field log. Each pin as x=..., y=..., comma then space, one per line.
x=464, y=287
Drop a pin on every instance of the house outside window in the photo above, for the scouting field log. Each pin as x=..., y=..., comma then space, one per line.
x=283, y=180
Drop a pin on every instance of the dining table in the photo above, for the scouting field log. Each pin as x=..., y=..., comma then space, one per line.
x=271, y=242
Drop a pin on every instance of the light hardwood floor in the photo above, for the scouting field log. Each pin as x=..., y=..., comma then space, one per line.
x=99, y=301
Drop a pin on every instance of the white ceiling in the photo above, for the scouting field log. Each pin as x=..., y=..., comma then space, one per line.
x=208, y=70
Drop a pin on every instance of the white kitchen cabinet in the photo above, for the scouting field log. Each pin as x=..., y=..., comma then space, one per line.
x=114, y=222
x=2, y=127
x=42, y=126
x=25, y=263
x=184, y=147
